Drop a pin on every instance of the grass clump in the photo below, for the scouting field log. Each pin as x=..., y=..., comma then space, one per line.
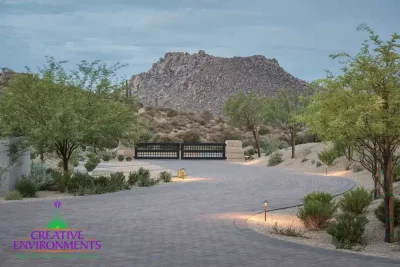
x=356, y=201
x=318, y=196
x=165, y=176
x=13, y=195
x=287, y=231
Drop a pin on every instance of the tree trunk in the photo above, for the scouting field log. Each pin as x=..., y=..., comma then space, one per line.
x=41, y=156
x=65, y=161
x=293, y=142
x=255, y=134
x=389, y=202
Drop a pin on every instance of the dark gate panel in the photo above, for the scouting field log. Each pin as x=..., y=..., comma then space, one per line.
x=157, y=151
x=203, y=151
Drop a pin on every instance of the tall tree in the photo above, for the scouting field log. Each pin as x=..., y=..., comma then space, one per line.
x=282, y=112
x=246, y=111
x=363, y=104
x=52, y=107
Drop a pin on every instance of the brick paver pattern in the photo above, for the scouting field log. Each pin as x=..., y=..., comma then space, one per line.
x=185, y=224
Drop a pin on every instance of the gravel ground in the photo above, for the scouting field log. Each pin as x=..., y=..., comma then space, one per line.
x=374, y=233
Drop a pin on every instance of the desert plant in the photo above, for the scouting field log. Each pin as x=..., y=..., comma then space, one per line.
x=13, y=195
x=318, y=196
x=128, y=158
x=304, y=160
x=106, y=157
x=356, y=201
x=318, y=164
x=347, y=230
x=117, y=181
x=316, y=214
x=328, y=156
x=165, y=176
x=90, y=166
x=269, y=145
x=121, y=157
x=145, y=181
x=172, y=113
x=78, y=182
x=39, y=175
x=61, y=180
x=33, y=155
x=26, y=187
x=133, y=178
x=251, y=151
x=275, y=159
x=287, y=231
x=380, y=212
x=191, y=136
x=91, y=155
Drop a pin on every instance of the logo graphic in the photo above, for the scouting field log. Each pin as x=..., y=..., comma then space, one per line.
x=57, y=240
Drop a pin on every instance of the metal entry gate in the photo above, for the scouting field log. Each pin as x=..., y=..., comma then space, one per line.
x=203, y=151
x=157, y=151
x=183, y=151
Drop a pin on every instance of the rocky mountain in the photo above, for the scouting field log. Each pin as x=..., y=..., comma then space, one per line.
x=204, y=82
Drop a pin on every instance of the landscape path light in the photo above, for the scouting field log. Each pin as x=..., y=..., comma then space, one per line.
x=265, y=210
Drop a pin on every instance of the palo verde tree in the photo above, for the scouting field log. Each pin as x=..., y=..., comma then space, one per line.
x=362, y=105
x=246, y=111
x=283, y=110
x=51, y=106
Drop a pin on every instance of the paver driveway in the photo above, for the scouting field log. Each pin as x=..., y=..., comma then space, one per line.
x=185, y=224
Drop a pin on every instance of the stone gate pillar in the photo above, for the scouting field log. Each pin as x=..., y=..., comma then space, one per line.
x=234, y=150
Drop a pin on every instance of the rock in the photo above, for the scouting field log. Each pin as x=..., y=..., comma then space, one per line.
x=200, y=82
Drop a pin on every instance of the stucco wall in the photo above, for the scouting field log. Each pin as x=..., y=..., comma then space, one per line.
x=16, y=170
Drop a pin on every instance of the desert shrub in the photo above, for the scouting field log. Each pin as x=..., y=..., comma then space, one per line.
x=39, y=175
x=304, y=160
x=347, y=230
x=146, y=181
x=287, y=231
x=283, y=144
x=13, y=195
x=106, y=157
x=396, y=173
x=251, y=151
x=26, y=187
x=172, y=113
x=380, y=211
x=133, y=178
x=263, y=130
x=328, y=155
x=61, y=180
x=101, y=181
x=60, y=164
x=247, y=142
x=219, y=120
x=275, y=159
x=231, y=134
x=356, y=201
x=397, y=236
x=92, y=164
x=120, y=157
x=117, y=182
x=316, y=214
x=168, y=139
x=318, y=164
x=206, y=115
x=128, y=158
x=191, y=136
x=33, y=155
x=165, y=176
x=148, y=108
x=357, y=168
x=318, y=196
x=78, y=182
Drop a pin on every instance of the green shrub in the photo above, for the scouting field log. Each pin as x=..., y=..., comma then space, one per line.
x=315, y=214
x=133, y=178
x=90, y=166
x=145, y=137
x=269, y=145
x=168, y=139
x=165, y=176
x=13, y=195
x=396, y=173
x=275, y=159
x=106, y=157
x=121, y=157
x=78, y=182
x=61, y=180
x=146, y=181
x=91, y=155
x=356, y=201
x=251, y=151
x=357, y=168
x=347, y=230
x=60, y=164
x=191, y=136
x=117, y=181
x=102, y=181
x=318, y=196
x=283, y=144
x=287, y=231
x=39, y=176
x=263, y=130
x=380, y=211
x=26, y=187
x=318, y=164
x=33, y=155
x=328, y=155
x=128, y=158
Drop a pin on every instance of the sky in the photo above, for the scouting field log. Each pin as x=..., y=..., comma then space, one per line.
x=300, y=34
